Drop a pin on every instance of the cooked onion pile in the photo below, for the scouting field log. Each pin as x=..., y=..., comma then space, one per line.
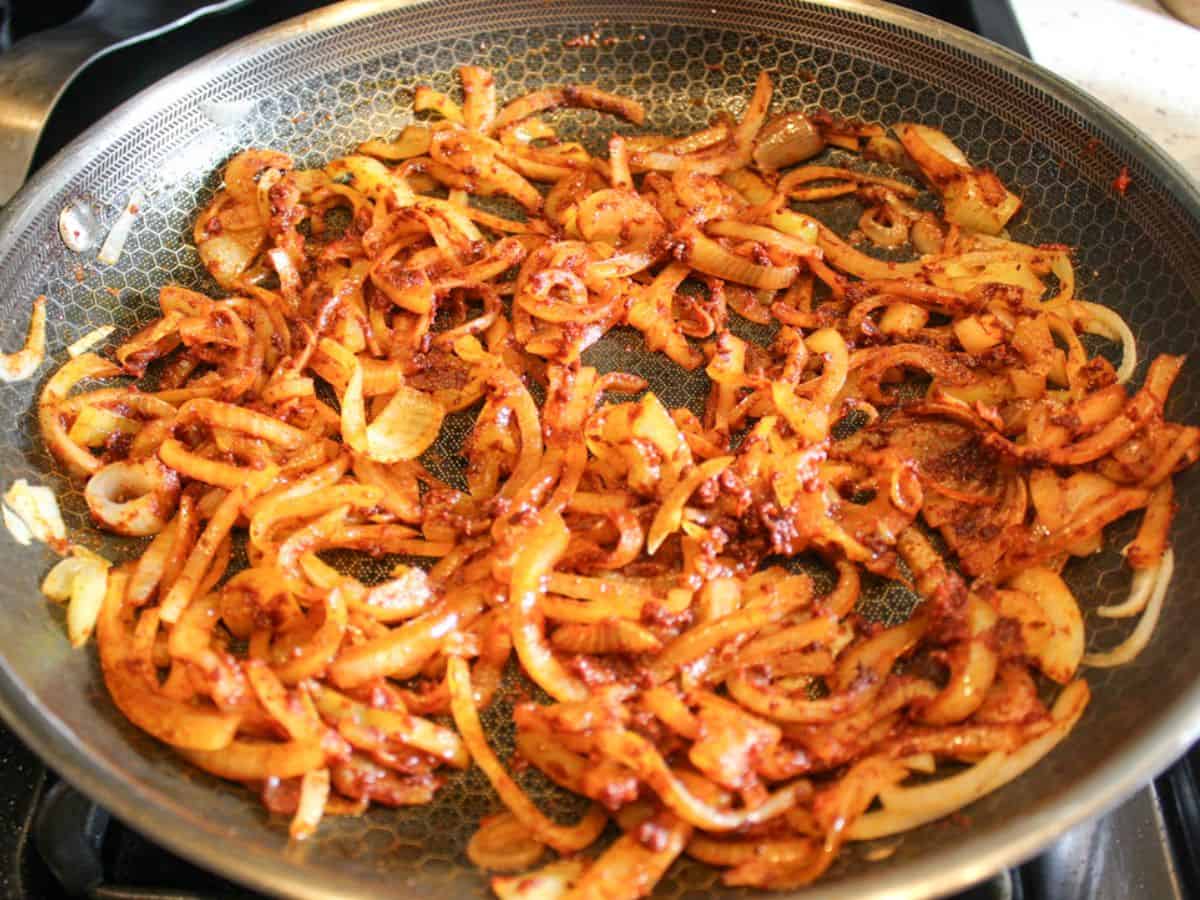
x=939, y=423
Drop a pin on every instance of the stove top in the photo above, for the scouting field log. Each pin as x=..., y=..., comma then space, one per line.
x=55, y=842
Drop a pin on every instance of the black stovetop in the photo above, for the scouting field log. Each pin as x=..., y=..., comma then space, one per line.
x=54, y=842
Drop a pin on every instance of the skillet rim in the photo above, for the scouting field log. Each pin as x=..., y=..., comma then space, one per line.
x=955, y=865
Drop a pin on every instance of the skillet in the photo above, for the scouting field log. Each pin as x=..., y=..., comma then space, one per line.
x=318, y=85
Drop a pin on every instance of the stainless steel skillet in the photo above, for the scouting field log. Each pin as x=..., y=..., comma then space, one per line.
x=318, y=85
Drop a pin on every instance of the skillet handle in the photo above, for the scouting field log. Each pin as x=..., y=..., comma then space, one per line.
x=33, y=74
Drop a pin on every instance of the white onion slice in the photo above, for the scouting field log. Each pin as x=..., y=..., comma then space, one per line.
x=289, y=275
x=37, y=511
x=16, y=527
x=57, y=583
x=905, y=808
x=110, y=250
x=90, y=340
x=404, y=429
x=314, y=793
x=1137, y=641
x=81, y=581
x=1139, y=595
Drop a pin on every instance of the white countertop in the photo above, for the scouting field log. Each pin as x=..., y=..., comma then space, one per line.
x=1131, y=54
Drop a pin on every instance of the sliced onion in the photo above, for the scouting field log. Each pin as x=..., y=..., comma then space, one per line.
x=404, y=429
x=133, y=498
x=371, y=177
x=504, y=844
x=17, y=528
x=110, y=250
x=559, y=295
x=226, y=256
x=413, y=141
x=289, y=275
x=804, y=245
x=927, y=235
x=932, y=151
x=90, y=340
x=577, y=95
x=610, y=636
x=37, y=511
x=847, y=259
x=87, y=597
x=1060, y=265
x=970, y=270
x=925, y=763
x=22, y=364
x=314, y=792
x=1052, y=626
x=887, y=236
x=670, y=515
x=58, y=581
x=711, y=258
x=402, y=597
x=888, y=150
x=787, y=140
x=625, y=221
x=1137, y=641
x=620, y=218
x=1144, y=582
x=81, y=581
x=905, y=808
x=972, y=198
x=967, y=202
x=1107, y=323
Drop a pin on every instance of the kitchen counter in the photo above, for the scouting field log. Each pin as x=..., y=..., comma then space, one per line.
x=1132, y=55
